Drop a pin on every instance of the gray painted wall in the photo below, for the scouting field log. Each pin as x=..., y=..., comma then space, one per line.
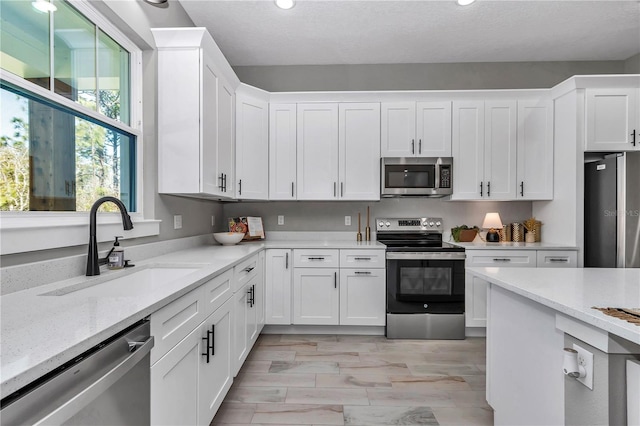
x=329, y=215
x=457, y=76
x=632, y=65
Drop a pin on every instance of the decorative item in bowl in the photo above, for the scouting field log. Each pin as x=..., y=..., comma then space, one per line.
x=228, y=238
x=464, y=233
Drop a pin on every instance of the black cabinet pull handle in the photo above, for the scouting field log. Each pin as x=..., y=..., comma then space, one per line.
x=362, y=273
x=634, y=137
x=419, y=146
x=501, y=259
x=249, y=269
x=361, y=258
x=221, y=178
x=292, y=190
x=286, y=260
x=335, y=280
x=481, y=189
x=488, y=189
x=240, y=187
x=315, y=258
x=413, y=146
x=522, y=188
x=213, y=339
x=335, y=194
x=342, y=189
x=207, y=345
x=558, y=259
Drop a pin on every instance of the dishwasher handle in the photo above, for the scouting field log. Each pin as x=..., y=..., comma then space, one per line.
x=88, y=394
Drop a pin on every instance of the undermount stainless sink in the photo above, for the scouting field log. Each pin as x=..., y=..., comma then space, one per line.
x=140, y=280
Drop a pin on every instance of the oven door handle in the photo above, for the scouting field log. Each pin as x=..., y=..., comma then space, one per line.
x=425, y=255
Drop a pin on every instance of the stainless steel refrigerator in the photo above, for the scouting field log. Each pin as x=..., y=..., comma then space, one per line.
x=612, y=211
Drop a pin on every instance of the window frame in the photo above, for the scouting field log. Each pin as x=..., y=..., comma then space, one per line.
x=32, y=231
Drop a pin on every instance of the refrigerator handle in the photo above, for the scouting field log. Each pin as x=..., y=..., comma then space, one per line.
x=621, y=206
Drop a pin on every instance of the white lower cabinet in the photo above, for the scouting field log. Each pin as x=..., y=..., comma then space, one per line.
x=315, y=296
x=189, y=383
x=278, y=271
x=475, y=305
x=362, y=297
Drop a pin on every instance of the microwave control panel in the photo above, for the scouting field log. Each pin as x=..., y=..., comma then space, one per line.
x=445, y=176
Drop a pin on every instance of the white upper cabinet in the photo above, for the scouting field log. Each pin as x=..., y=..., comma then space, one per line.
x=195, y=115
x=411, y=129
x=535, y=151
x=468, y=150
x=502, y=150
x=317, y=166
x=613, y=119
x=252, y=146
x=359, y=151
x=282, y=151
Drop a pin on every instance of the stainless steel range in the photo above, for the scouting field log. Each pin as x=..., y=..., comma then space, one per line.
x=425, y=280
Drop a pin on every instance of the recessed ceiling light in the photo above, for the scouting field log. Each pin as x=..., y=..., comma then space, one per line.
x=465, y=2
x=285, y=4
x=43, y=6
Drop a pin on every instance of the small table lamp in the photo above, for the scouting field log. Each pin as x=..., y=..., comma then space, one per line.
x=491, y=222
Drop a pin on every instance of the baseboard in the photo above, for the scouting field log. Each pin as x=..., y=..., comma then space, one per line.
x=324, y=329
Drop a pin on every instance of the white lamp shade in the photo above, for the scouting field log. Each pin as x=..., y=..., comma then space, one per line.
x=492, y=220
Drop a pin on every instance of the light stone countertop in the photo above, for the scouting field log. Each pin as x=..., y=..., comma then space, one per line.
x=481, y=245
x=574, y=291
x=40, y=333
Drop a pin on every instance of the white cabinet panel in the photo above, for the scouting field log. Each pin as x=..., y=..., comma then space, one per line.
x=557, y=259
x=398, y=129
x=316, y=258
x=226, y=140
x=475, y=305
x=315, y=296
x=317, y=151
x=217, y=291
x=613, y=120
x=502, y=258
x=245, y=271
x=359, y=151
x=362, y=297
x=282, y=151
x=433, y=129
x=362, y=259
x=468, y=150
x=500, y=150
x=535, y=150
x=279, y=267
x=252, y=148
x=240, y=330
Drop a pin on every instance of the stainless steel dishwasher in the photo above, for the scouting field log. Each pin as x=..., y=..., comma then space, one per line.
x=107, y=385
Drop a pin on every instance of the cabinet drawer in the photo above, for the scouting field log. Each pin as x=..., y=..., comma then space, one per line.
x=557, y=259
x=316, y=258
x=175, y=321
x=216, y=291
x=245, y=271
x=362, y=258
x=501, y=258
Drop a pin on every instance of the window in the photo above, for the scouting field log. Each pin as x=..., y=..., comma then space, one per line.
x=66, y=146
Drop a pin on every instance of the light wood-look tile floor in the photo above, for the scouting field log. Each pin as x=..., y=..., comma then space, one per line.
x=359, y=380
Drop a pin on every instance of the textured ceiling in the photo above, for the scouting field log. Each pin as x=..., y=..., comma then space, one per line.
x=435, y=31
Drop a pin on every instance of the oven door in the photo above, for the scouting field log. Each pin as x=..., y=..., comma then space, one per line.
x=425, y=282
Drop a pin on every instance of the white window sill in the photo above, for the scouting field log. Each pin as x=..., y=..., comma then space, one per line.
x=42, y=231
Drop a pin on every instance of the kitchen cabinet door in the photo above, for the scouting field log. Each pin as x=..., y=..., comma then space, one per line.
x=499, y=150
x=317, y=151
x=315, y=296
x=174, y=383
x=278, y=271
x=468, y=150
x=398, y=129
x=240, y=328
x=226, y=142
x=362, y=297
x=260, y=292
x=535, y=151
x=612, y=119
x=252, y=314
x=215, y=369
x=475, y=304
x=282, y=151
x=252, y=148
x=433, y=129
x=359, y=144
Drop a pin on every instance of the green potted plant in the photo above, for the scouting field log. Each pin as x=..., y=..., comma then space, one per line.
x=464, y=233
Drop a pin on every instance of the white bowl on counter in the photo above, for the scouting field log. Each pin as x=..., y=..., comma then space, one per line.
x=228, y=238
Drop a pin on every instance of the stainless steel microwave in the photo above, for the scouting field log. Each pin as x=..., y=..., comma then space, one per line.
x=416, y=176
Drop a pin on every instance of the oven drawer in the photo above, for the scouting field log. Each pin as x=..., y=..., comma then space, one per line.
x=502, y=258
x=362, y=258
x=303, y=258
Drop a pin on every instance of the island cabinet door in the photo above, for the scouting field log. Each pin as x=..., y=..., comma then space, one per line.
x=475, y=305
x=316, y=296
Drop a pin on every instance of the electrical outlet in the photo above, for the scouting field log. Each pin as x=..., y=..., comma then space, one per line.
x=213, y=220
x=347, y=221
x=585, y=359
x=280, y=220
x=177, y=221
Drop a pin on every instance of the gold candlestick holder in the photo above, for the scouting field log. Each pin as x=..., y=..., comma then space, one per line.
x=367, y=234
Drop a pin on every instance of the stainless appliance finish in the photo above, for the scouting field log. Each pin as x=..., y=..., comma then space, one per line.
x=612, y=211
x=107, y=385
x=425, y=280
x=416, y=176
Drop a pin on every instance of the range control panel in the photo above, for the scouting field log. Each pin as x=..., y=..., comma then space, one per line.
x=410, y=224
